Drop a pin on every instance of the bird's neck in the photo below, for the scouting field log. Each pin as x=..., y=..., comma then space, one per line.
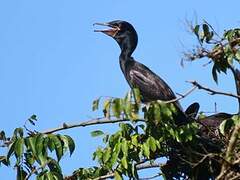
x=126, y=52
x=124, y=60
x=127, y=46
x=125, y=56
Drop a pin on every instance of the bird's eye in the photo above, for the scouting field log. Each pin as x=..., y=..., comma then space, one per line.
x=116, y=25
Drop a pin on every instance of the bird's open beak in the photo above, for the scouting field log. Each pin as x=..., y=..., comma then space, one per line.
x=110, y=32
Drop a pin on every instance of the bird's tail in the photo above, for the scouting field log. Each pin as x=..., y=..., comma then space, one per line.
x=188, y=116
x=192, y=110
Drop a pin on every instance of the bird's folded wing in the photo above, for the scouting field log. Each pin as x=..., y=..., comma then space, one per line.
x=151, y=84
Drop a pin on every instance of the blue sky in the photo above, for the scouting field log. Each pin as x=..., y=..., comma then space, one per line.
x=53, y=65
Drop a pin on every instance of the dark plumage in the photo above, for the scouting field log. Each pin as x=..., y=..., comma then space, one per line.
x=210, y=125
x=151, y=86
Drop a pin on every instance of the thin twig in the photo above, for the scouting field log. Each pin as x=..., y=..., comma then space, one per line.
x=211, y=91
x=210, y=155
x=180, y=96
x=138, y=167
x=88, y=123
x=152, y=177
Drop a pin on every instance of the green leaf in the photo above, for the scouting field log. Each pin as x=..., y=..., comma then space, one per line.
x=67, y=142
x=135, y=140
x=214, y=73
x=124, y=147
x=34, y=117
x=126, y=129
x=106, y=138
x=55, y=168
x=2, y=136
x=51, y=145
x=226, y=125
x=106, y=155
x=18, y=132
x=157, y=112
x=49, y=176
x=137, y=95
x=98, y=154
x=127, y=108
x=58, y=146
x=96, y=133
x=167, y=111
x=205, y=29
x=222, y=127
x=209, y=36
x=64, y=142
x=106, y=108
x=11, y=150
x=116, y=107
x=114, y=157
x=117, y=176
x=29, y=158
x=39, y=144
x=116, y=151
x=230, y=59
x=196, y=30
x=124, y=162
x=152, y=144
x=19, y=147
x=236, y=119
x=41, y=175
x=40, y=152
x=71, y=144
x=30, y=146
x=95, y=104
x=146, y=150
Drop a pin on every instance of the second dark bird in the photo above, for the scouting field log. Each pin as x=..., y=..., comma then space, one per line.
x=150, y=85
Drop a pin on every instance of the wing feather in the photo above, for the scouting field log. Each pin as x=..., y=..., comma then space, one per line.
x=151, y=86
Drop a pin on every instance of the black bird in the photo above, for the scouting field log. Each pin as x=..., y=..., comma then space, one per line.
x=151, y=86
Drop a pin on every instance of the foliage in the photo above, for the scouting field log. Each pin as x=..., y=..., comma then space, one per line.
x=33, y=153
x=222, y=50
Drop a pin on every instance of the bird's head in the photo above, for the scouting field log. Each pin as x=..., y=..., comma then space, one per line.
x=123, y=32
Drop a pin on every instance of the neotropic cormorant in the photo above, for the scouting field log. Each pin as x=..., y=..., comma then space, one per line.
x=150, y=85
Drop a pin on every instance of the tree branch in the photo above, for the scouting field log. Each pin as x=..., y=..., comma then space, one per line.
x=211, y=91
x=181, y=96
x=96, y=121
x=138, y=167
x=152, y=177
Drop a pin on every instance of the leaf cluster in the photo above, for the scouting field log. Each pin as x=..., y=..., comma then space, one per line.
x=222, y=50
x=33, y=154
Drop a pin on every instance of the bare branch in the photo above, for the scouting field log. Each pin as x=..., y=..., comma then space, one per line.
x=211, y=91
x=152, y=177
x=96, y=121
x=181, y=96
x=138, y=167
